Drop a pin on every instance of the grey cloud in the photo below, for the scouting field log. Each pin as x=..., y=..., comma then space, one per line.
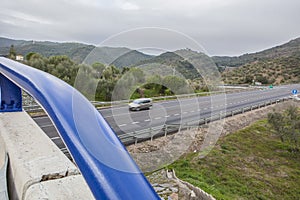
x=222, y=27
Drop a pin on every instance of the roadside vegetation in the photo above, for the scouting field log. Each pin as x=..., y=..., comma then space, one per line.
x=258, y=162
x=287, y=126
x=98, y=81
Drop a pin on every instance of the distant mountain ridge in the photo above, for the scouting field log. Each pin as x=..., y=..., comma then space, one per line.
x=6, y=42
x=75, y=51
x=131, y=58
x=264, y=62
x=118, y=56
x=121, y=56
x=172, y=59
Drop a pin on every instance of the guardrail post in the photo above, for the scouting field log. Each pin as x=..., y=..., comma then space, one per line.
x=136, y=138
x=10, y=96
x=220, y=115
x=166, y=130
x=150, y=129
x=188, y=127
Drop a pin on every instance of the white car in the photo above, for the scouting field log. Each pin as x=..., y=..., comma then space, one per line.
x=140, y=104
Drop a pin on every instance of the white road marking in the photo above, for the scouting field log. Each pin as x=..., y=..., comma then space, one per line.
x=167, y=116
x=176, y=114
x=157, y=118
x=135, y=122
x=55, y=138
x=122, y=125
x=147, y=120
x=45, y=126
x=41, y=117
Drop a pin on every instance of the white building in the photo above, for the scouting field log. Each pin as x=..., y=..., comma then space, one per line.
x=20, y=58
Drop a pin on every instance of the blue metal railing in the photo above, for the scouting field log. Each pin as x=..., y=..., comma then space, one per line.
x=102, y=159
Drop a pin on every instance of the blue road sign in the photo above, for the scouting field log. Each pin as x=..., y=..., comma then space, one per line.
x=295, y=91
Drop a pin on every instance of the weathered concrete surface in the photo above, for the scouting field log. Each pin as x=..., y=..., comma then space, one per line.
x=33, y=158
x=2, y=153
x=3, y=184
x=71, y=187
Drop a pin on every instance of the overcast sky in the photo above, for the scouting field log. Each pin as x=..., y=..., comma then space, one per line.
x=222, y=27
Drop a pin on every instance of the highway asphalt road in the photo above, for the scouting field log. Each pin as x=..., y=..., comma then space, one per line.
x=177, y=111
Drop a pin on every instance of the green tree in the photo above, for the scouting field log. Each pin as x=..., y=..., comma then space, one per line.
x=155, y=83
x=98, y=69
x=29, y=55
x=111, y=72
x=38, y=61
x=262, y=79
x=176, y=84
x=249, y=79
x=12, y=52
x=287, y=126
x=277, y=121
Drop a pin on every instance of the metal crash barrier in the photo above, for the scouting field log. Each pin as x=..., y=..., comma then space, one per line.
x=104, y=162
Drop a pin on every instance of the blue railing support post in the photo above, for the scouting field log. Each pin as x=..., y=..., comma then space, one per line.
x=10, y=96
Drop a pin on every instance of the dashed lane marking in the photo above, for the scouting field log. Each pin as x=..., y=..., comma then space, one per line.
x=55, y=138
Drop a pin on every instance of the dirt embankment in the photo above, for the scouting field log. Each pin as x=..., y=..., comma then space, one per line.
x=153, y=155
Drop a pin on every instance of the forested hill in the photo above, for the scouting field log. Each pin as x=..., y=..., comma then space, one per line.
x=292, y=48
x=276, y=65
x=76, y=51
x=121, y=56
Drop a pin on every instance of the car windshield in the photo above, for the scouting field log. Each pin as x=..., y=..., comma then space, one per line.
x=137, y=101
x=141, y=101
